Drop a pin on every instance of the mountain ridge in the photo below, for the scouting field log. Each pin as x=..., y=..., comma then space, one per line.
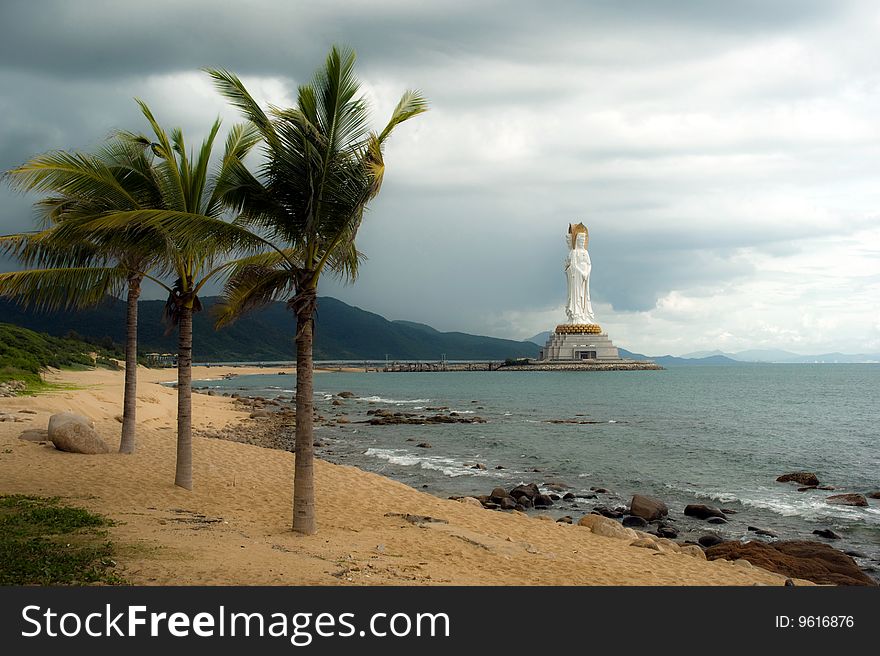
x=342, y=332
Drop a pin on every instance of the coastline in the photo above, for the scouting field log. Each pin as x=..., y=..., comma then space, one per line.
x=233, y=528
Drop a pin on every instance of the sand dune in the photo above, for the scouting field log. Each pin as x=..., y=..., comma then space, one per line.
x=234, y=527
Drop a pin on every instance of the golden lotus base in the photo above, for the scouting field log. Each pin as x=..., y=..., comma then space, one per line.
x=578, y=329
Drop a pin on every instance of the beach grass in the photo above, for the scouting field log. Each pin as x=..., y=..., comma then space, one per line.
x=45, y=542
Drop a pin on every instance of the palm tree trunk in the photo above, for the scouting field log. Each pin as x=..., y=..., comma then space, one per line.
x=129, y=403
x=183, y=475
x=304, y=467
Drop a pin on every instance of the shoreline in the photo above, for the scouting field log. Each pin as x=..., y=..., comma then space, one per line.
x=233, y=528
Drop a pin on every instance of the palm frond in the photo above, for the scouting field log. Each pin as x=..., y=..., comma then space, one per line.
x=411, y=103
x=235, y=92
x=64, y=288
x=252, y=287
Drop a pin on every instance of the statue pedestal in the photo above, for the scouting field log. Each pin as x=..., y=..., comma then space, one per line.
x=578, y=343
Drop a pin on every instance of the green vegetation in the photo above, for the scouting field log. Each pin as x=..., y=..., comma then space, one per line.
x=24, y=354
x=43, y=542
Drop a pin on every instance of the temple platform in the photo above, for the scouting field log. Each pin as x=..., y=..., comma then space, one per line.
x=579, y=343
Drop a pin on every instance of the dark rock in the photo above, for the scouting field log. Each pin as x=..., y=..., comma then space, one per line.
x=826, y=533
x=648, y=508
x=554, y=497
x=716, y=520
x=804, y=478
x=807, y=488
x=424, y=445
x=847, y=500
x=856, y=554
x=599, y=490
x=667, y=532
x=568, y=495
x=634, y=521
x=873, y=495
x=507, y=503
x=336, y=402
x=491, y=506
x=346, y=395
x=605, y=511
x=826, y=487
x=764, y=532
x=710, y=541
x=564, y=520
x=498, y=494
x=542, y=501
x=814, y=561
x=530, y=491
x=519, y=507
x=728, y=511
x=525, y=502
x=479, y=465
x=701, y=511
x=499, y=466
x=556, y=486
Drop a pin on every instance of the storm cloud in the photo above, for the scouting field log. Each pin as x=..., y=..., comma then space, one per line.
x=725, y=156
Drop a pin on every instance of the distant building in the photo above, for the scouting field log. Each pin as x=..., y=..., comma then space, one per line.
x=161, y=359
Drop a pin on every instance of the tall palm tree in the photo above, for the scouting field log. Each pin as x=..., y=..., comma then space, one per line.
x=186, y=231
x=322, y=167
x=74, y=273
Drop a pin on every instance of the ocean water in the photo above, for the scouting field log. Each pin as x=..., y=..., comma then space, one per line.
x=714, y=435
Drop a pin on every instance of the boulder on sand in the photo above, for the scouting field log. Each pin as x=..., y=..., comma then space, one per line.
x=802, y=478
x=814, y=561
x=75, y=434
x=648, y=508
x=607, y=527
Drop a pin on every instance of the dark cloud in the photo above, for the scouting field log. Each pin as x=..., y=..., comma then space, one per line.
x=694, y=138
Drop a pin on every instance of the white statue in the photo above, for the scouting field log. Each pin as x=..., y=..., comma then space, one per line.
x=577, y=270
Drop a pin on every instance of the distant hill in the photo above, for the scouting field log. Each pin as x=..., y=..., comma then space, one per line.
x=673, y=361
x=540, y=339
x=779, y=356
x=342, y=332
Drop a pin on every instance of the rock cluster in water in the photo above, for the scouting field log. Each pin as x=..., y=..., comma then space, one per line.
x=381, y=417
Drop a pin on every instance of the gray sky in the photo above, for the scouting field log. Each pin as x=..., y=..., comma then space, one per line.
x=725, y=156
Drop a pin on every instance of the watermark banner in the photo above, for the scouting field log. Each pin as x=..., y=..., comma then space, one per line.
x=423, y=620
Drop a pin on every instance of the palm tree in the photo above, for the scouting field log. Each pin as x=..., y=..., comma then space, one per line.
x=322, y=167
x=74, y=273
x=185, y=231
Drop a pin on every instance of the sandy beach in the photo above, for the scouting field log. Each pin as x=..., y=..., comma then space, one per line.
x=234, y=527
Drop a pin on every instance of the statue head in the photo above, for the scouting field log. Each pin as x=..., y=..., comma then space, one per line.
x=579, y=235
